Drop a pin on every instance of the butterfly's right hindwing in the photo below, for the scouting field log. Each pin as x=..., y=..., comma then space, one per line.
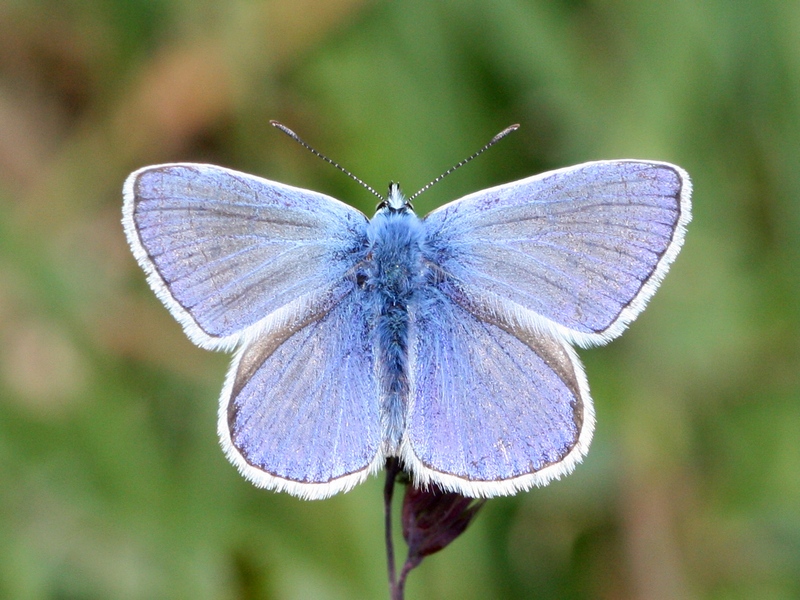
x=494, y=407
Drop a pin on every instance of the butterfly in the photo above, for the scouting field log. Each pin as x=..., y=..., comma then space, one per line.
x=444, y=341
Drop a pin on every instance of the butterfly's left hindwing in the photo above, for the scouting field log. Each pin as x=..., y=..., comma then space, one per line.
x=300, y=408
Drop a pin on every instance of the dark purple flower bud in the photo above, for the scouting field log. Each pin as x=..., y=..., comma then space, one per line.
x=432, y=519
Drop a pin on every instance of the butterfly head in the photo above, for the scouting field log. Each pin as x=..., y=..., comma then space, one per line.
x=395, y=201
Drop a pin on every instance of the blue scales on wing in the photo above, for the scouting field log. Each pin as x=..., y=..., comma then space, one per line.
x=446, y=340
x=224, y=250
x=580, y=250
x=302, y=411
x=247, y=263
x=494, y=407
x=522, y=269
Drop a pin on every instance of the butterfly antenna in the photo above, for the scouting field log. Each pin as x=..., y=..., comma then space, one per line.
x=491, y=143
x=305, y=145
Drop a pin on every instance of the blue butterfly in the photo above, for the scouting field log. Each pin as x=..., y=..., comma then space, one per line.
x=444, y=341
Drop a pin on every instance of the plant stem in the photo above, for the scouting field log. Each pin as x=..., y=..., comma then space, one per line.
x=401, y=583
x=392, y=468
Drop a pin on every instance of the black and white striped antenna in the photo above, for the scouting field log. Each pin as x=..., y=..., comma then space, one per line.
x=491, y=143
x=319, y=154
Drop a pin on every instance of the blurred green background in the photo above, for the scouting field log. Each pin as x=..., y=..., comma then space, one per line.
x=112, y=484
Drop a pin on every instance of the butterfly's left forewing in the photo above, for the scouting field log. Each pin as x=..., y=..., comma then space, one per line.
x=225, y=251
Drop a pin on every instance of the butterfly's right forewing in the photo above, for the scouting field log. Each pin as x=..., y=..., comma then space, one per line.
x=580, y=250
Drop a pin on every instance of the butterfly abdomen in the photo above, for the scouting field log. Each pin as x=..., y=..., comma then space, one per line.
x=394, y=280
